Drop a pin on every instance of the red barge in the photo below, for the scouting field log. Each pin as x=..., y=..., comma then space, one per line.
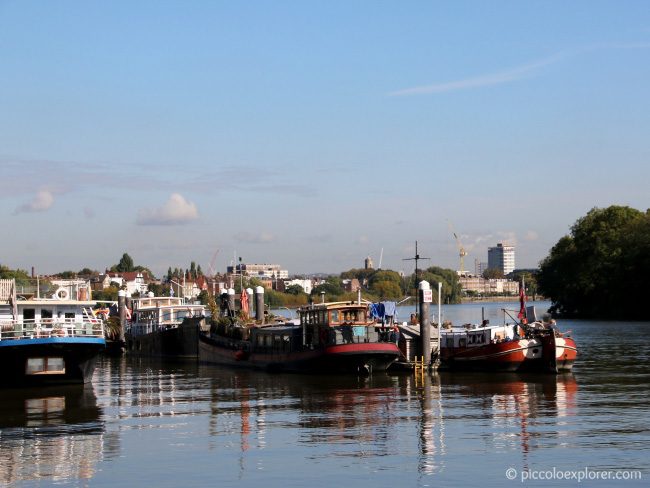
x=338, y=337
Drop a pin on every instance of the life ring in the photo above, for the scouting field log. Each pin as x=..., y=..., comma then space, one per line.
x=61, y=294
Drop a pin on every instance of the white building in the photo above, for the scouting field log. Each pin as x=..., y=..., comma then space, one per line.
x=502, y=257
x=304, y=284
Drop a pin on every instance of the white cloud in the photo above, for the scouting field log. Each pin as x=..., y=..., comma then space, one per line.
x=41, y=202
x=176, y=211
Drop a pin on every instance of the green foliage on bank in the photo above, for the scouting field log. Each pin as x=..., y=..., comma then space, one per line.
x=599, y=270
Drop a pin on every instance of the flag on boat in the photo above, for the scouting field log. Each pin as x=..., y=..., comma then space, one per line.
x=522, y=300
x=244, y=303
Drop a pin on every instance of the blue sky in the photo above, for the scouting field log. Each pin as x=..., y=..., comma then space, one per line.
x=312, y=134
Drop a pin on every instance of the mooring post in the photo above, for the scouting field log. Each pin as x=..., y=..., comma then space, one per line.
x=259, y=303
x=121, y=307
x=424, y=299
x=251, y=303
x=231, y=301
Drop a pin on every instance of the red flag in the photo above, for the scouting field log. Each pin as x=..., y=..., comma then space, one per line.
x=244, y=303
x=522, y=301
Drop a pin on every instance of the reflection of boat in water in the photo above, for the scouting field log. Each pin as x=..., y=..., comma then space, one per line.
x=58, y=430
x=335, y=337
x=164, y=326
x=49, y=340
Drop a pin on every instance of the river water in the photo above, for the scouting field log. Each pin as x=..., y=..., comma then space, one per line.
x=147, y=423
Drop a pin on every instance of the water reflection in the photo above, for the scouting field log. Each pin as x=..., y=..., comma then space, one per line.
x=53, y=434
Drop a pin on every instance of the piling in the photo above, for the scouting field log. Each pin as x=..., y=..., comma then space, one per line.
x=251, y=303
x=231, y=301
x=121, y=306
x=259, y=303
x=424, y=298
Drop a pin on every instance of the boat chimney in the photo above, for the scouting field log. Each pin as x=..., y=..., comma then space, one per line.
x=259, y=303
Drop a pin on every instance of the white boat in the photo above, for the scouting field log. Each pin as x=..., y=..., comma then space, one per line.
x=164, y=327
x=49, y=339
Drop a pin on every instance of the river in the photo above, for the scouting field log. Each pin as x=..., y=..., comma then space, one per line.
x=148, y=423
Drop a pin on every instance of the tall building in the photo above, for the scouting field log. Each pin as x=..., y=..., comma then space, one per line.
x=502, y=257
x=368, y=263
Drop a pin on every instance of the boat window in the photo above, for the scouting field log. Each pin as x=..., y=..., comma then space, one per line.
x=322, y=317
x=45, y=365
x=29, y=314
x=69, y=315
x=334, y=317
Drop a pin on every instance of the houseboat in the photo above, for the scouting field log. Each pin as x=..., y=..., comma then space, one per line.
x=49, y=339
x=333, y=338
x=536, y=347
x=164, y=327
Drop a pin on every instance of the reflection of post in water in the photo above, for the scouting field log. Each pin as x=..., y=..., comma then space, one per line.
x=431, y=427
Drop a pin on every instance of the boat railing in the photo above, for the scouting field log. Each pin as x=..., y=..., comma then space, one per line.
x=46, y=328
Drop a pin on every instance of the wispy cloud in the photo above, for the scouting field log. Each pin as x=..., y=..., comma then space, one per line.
x=513, y=74
x=176, y=211
x=41, y=202
x=250, y=238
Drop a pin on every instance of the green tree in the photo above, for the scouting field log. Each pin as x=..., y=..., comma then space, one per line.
x=294, y=290
x=386, y=284
x=451, y=289
x=21, y=276
x=493, y=274
x=125, y=264
x=588, y=273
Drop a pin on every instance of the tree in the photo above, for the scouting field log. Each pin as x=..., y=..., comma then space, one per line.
x=125, y=264
x=294, y=290
x=587, y=273
x=493, y=274
x=451, y=289
x=386, y=284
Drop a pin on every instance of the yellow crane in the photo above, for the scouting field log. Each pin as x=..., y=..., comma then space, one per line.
x=461, y=250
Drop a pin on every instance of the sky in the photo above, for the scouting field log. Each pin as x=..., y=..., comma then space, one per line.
x=312, y=134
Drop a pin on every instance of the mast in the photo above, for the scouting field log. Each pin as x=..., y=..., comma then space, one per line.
x=416, y=258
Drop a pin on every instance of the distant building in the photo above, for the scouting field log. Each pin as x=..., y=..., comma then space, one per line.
x=367, y=264
x=271, y=271
x=479, y=267
x=502, y=257
x=478, y=284
x=304, y=284
x=350, y=285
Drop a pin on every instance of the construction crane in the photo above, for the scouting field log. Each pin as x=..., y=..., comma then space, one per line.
x=461, y=250
x=212, y=262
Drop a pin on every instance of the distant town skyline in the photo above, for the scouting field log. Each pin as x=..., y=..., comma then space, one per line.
x=315, y=135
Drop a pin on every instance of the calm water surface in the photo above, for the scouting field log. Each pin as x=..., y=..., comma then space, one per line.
x=145, y=423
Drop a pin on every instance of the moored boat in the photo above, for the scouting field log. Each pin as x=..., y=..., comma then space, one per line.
x=164, y=327
x=338, y=337
x=536, y=346
x=47, y=340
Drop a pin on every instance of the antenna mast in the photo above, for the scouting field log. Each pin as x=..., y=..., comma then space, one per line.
x=416, y=258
